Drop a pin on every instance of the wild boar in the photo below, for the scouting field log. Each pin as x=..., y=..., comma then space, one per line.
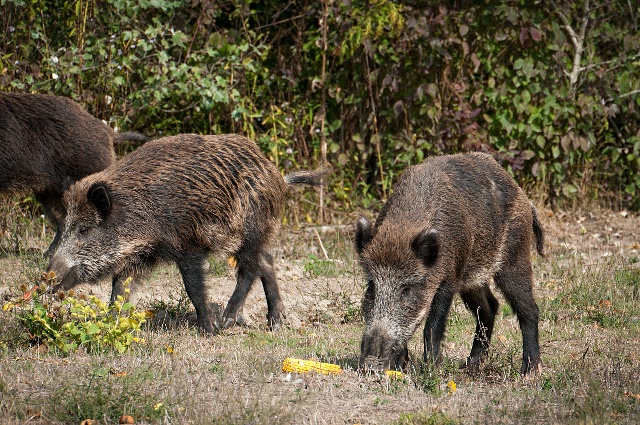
x=178, y=199
x=48, y=142
x=452, y=224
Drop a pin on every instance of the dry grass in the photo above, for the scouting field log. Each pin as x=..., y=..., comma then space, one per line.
x=587, y=287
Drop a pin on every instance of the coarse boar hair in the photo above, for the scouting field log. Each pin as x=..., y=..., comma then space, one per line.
x=48, y=142
x=453, y=224
x=178, y=199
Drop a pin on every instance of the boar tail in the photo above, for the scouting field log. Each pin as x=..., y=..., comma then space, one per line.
x=311, y=178
x=537, y=231
x=130, y=136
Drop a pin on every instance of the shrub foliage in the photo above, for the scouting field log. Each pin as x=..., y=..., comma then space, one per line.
x=550, y=88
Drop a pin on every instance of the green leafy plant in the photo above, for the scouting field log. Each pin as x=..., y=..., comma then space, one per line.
x=66, y=323
x=315, y=267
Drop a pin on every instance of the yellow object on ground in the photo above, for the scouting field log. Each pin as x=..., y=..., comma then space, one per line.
x=393, y=374
x=291, y=365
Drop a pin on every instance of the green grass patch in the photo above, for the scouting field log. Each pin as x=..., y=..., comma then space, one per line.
x=316, y=267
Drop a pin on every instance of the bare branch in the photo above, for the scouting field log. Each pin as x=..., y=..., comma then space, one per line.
x=578, y=41
x=631, y=93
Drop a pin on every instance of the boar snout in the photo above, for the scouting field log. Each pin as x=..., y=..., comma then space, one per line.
x=379, y=352
x=66, y=276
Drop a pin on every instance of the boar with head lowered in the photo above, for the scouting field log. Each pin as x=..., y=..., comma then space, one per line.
x=48, y=142
x=178, y=199
x=453, y=224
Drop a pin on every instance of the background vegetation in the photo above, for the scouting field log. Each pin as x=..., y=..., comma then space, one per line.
x=552, y=89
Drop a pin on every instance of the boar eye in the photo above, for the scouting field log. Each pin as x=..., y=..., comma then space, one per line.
x=405, y=291
x=83, y=230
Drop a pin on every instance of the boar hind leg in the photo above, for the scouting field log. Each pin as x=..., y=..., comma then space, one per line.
x=516, y=284
x=484, y=306
x=250, y=267
x=275, y=307
x=436, y=322
x=192, y=270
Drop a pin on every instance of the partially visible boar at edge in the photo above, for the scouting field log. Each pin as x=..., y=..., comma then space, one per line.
x=178, y=199
x=452, y=225
x=48, y=142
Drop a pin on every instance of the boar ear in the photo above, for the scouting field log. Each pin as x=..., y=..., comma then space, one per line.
x=426, y=246
x=364, y=234
x=99, y=195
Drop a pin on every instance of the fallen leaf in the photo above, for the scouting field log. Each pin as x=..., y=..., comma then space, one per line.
x=117, y=373
x=605, y=303
x=126, y=419
x=33, y=414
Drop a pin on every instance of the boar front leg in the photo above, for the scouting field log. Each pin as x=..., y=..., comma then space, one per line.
x=436, y=323
x=54, y=210
x=245, y=278
x=192, y=270
x=117, y=288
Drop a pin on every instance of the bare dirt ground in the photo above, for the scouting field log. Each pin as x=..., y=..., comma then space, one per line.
x=589, y=236
x=590, y=372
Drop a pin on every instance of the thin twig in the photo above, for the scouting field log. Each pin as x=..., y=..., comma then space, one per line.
x=375, y=126
x=324, y=251
x=323, y=137
x=631, y=93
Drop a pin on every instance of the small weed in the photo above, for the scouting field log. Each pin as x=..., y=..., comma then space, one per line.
x=380, y=401
x=353, y=314
x=319, y=316
x=428, y=379
x=217, y=368
x=104, y=394
x=179, y=306
x=315, y=267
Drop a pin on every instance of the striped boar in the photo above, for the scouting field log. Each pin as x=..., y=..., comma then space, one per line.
x=178, y=199
x=452, y=225
x=48, y=142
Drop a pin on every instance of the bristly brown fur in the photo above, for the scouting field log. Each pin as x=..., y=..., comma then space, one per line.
x=48, y=142
x=177, y=199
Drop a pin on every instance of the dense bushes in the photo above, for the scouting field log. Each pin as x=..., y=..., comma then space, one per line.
x=553, y=91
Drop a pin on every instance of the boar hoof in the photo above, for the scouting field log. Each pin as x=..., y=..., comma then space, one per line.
x=473, y=364
x=275, y=325
x=228, y=322
x=531, y=368
x=209, y=327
